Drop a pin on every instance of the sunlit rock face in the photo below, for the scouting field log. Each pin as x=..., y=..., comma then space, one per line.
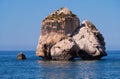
x=63, y=38
x=65, y=49
x=55, y=27
x=90, y=41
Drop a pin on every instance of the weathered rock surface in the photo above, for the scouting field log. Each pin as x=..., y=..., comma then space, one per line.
x=90, y=41
x=55, y=27
x=66, y=49
x=63, y=38
x=21, y=56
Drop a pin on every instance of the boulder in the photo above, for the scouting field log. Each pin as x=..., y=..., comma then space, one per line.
x=55, y=27
x=65, y=49
x=90, y=41
x=21, y=56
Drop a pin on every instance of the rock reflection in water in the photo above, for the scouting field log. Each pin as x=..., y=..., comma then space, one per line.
x=69, y=69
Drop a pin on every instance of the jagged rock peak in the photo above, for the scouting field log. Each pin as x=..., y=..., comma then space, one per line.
x=64, y=10
x=60, y=13
x=89, y=25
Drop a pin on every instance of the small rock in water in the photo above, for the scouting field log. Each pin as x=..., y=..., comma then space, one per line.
x=21, y=56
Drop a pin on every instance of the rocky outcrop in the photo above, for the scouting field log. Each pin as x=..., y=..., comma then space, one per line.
x=66, y=49
x=55, y=27
x=63, y=38
x=21, y=56
x=90, y=41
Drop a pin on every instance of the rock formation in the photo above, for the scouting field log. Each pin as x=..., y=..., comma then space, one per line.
x=65, y=49
x=90, y=41
x=55, y=27
x=21, y=56
x=63, y=38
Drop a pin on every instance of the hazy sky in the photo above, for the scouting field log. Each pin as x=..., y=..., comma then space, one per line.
x=20, y=20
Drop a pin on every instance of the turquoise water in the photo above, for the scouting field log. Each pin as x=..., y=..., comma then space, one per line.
x=35, y=68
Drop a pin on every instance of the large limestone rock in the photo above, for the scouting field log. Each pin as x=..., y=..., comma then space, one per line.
x=55, y=27
x=90, y=41
x=63, y=38
x=66, y=49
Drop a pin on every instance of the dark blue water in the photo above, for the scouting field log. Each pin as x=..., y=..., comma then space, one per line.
x=35, y=68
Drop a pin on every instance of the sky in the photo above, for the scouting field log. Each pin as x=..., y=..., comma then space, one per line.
x=20, y=20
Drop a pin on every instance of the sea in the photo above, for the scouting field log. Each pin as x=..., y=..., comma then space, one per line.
x=36, y=68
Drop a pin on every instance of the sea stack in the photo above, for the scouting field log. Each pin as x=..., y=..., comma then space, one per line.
x=63, y=38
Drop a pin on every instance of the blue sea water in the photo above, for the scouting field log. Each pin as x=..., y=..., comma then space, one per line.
x=35, y=68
